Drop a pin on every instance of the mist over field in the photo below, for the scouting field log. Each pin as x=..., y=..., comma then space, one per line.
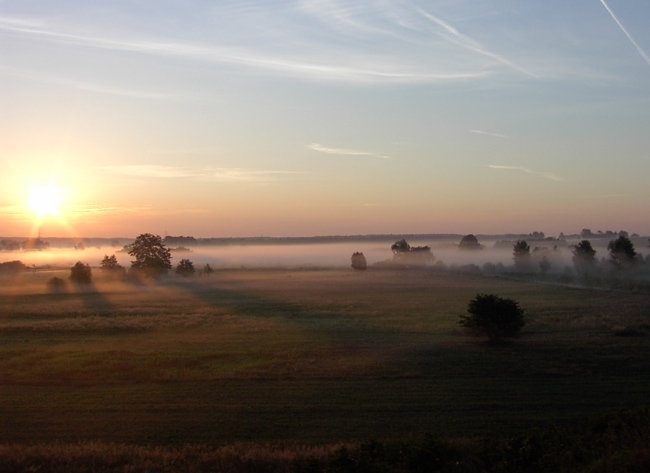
x=335, y=255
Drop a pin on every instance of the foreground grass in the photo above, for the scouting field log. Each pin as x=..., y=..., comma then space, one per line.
x=614, y=443
x=314, y=357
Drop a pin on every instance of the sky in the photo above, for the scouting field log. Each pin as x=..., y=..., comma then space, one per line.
x=324, y=117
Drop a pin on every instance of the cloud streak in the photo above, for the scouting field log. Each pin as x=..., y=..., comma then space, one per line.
x=205, y=174
x=545, y=175
x=487, y=133
x=345, y=152
x=638, y=48
x=321, y=62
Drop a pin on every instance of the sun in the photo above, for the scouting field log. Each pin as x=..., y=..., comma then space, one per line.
x=45, y=200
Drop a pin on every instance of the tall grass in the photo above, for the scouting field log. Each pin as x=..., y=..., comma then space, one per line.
x=614, y=443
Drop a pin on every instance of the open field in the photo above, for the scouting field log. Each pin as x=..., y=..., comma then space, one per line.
x=307, y=356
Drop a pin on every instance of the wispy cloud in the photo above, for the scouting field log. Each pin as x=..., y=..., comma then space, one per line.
x=346, y=152
x=452, y=35
x=320, y=61
x=206, y=174
x=545, y=175
x=487, y=133
x=638, y=48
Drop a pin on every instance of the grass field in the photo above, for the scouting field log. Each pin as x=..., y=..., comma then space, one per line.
x=307, y=356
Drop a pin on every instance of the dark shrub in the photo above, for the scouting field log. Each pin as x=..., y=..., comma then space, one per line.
x=493, y=316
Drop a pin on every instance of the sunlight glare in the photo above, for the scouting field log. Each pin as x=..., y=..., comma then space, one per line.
x=44, y=200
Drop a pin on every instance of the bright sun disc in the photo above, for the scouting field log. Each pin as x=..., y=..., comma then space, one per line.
x=44, y=200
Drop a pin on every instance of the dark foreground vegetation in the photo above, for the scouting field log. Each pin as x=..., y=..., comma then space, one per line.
x=615, y=443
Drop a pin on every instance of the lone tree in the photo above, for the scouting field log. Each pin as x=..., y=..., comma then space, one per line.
x=80, y=273
x=469, y=242
x=400, y=248
x=110, y=267
x=207, y=269
x=521, y=254
x=584, y=256
x=358, y=261
x=185, y=268
x=151, y=255
x=621, y=251
x=411, y=255
x=494, y=316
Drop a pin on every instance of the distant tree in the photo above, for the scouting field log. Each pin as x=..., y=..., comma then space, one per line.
x=111, y=268
x=12, y=268
x=411, y=255
x=185, y=268
x=80, y=273
x=586, y=233
x=35, y=244
x=151, y=255
x=469, y=242
x=359, y=261
x=493, y=316
x=544, y=265
x=621, y=251
x=584, y=256
x=207, y=269
x=56, y=285
x=521, y=254
x=9, y=245
x=400, y=248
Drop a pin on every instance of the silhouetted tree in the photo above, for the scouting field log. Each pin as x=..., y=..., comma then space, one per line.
x=584, y=256
x=493, y=316
x=521, y=253
x=151, y=255
x=621, y=251
x=80, y=273
x=469, y=242
x=12, y=268
x=411, y=255
x=110, y=267
x=400, y=247
x=185, y=268
x=207, y=269
x=359, y=261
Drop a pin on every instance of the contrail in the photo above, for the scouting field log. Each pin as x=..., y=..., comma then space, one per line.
x=638, y=48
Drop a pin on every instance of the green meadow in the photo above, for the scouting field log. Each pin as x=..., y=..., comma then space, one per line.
x=307, y=357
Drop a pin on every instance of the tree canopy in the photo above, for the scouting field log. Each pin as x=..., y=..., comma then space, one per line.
x=150, y=254
x=621, y=251
x=469, y=242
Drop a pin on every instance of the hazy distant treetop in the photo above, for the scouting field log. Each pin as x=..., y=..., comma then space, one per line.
x=521, y=253
x=621, y=251
x=109, y=263
x=469, y=242
x=150, y=254
x=185, y=268
x=358, y=261
x=400, y=247
x=584, y=255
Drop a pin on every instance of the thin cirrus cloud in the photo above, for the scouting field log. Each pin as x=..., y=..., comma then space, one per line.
x=545, y=175
x=345, y=152
x=358, y=53
x=487, y=133
x=206, y=174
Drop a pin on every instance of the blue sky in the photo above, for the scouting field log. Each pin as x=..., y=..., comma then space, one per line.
x=326, y=117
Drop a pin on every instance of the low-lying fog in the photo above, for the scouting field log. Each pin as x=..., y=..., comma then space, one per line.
x=297, y=255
